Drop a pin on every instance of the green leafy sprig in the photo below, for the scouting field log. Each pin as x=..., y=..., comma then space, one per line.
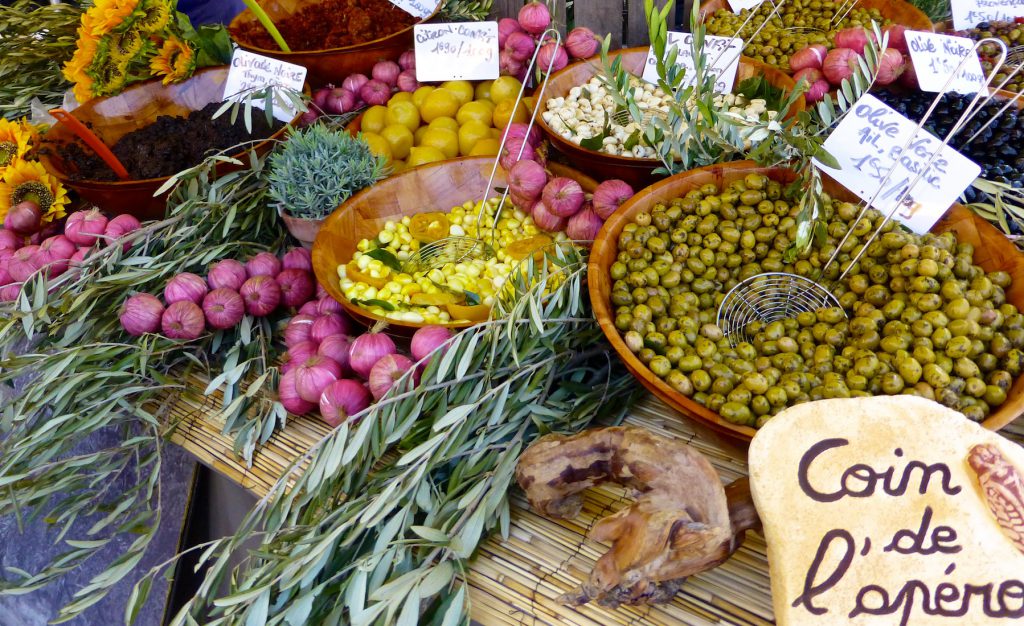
x=465, y=10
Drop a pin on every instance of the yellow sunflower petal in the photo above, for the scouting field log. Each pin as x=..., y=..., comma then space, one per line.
x=30, y=177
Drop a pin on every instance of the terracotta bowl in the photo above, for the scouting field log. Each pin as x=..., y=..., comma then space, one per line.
x=636, y=172
x=332, y=65
x=137, y=107
x=992, y=252
x=430, y=187
x=898, y=11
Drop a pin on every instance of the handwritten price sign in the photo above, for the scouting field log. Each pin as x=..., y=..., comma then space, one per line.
x=869, y=142
x=741, y=5
x=970, y=13
x=456, y=51
x=416, y=8
x=937, y=57
x=722, y=53
x=251, y=72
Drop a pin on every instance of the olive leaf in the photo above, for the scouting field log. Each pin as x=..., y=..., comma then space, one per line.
x=386, y=257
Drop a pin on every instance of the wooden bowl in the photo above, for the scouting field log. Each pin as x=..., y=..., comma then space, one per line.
x=636, y=172
x=992, y=251
x=897, y=11
x=137, y=107
x=430, y=187
x=335, y=64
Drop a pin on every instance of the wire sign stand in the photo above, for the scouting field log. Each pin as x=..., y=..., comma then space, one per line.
x=779, y=295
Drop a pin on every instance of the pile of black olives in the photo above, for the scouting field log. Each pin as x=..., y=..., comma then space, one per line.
x=917, y=316
x=797, y=25
x=997, y=150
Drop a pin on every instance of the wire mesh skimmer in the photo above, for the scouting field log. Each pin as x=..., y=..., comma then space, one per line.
x=459, y=248
x=779, y=295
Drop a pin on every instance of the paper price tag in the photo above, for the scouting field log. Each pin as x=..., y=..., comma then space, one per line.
x=723, y=57
x=936, y=57
x=970, y=13
x=416, y=8
x=251, y=72
x=870, y=140
x=740, y=5
x=456, y=51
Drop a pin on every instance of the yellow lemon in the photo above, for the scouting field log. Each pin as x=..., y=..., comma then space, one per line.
x=475, y=110
x=496, y=133
x=439, y=103
x=470, y=134
x=447, y=141
x=401, y=96
x=423, y=154
x=398, y=166
x=485, y=147
x=417, y=137
x=404, y=113
x=505, y=88
x=445, y=122
x=483, y=90
x=463, y=90
x=400, y=138
x=373, y=119
x=530, y=103
x=503, y=114
x=421, y=94
x=378, y=145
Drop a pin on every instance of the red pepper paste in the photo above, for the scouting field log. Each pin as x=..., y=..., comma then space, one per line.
x=329, y=24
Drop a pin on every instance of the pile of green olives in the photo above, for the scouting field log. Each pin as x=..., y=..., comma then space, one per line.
x=916, y=315
x=797, y=25
x=1012, y=34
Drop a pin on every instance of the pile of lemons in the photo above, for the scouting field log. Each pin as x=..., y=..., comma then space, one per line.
x=434, y=123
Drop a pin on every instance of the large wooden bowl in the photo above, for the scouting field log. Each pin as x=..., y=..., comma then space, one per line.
x=334, y=64
x=430, y=187
x=992, y=252
x=137, y=107
x=636, y=172
x=897, y=11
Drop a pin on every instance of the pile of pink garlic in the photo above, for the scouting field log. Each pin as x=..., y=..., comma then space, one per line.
x=359, y=90
x=519, y=37
x=27, y=246
x=328, y=368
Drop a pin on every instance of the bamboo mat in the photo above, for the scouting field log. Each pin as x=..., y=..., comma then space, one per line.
x=516, y=582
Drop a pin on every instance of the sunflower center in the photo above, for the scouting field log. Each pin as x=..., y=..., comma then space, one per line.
x=155, y=16
x=7, y=151
x=33, y=191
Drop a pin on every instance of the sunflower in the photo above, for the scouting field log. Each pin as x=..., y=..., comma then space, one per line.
x=175, y=61
x=124, y=46
x=29, y=180
x=14, y=140
x=155, y=17
x=106, y=15
x=75, y=69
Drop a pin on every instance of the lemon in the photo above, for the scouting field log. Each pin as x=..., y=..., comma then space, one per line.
x=423, y=154
x=401, y=96
x=503, y=114
x=496, y=133
x=439, y=103
x=476, y=110
x=462, y=89
x=485, y=147
x=417, y=137
x=378, y=145
x=470, y=134
x=483, y=90
x=398, y=166
x=400, y=138
x=505, y=88
x=447, y=141
x=445, y=122
x=404, y=113
x=373, y=119
x=421, y=94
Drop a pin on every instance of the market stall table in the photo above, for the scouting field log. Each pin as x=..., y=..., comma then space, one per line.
x=519, y=580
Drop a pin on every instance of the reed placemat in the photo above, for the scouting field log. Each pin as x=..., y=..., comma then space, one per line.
x=516, y=582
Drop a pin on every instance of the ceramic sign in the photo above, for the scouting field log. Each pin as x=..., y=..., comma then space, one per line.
x=251, y=72
x=722, y=53
x=874, y=140
x=889, y=510
x=456, y=51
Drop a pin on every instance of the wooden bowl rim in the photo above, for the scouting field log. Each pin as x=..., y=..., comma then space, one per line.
x=57, y=171
x=603, y=311
x=359, y=312
x=366, y=45
x=564, y=145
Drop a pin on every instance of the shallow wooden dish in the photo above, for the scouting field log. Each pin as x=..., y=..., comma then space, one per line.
x=430, y=187
x=992, y=252
x=636, y=172
x=898, y=11
x=331, y=65
x=137, y=107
